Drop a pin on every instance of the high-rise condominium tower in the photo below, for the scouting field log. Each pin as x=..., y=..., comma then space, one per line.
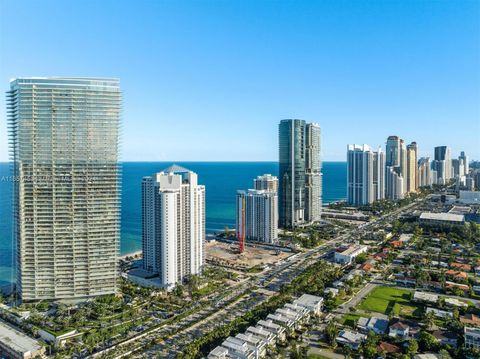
x=412, y=167
x=313, y=180
x=379, y=174
x=443, y=164
x=394, y=183
x=424, y=175
x=403, y=165
x=396, y=166
x=173, y=224
x=365, y=175
x=64, y=135
x=392, y=151
x=257, y=215
x=458, y=167
x=266, y=182
x=299, y=173
x=466, y=165
x=359, y=175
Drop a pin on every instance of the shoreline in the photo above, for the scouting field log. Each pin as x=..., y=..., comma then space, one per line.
x=132, y=254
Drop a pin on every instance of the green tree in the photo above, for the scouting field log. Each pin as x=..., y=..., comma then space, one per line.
x=427, y=341
x=429, y=319
x=443, y=354
x=331, y=331
x=370, y=346
x=412, y=347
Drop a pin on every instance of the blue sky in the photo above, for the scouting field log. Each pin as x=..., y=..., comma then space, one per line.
x=210, y=80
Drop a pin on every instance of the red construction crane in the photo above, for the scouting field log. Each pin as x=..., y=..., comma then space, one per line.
x=241, y=237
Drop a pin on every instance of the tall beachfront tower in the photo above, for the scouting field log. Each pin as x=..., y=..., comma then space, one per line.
x=443, y=164
x=257, y=215
x=313, y=180
x=291, y=176
x=266, y=182
x=395, y=167
x=412, y=167
x=359, y=175
x=299, y=192
x=173, y=225
x=365, y=175
x=64, y=138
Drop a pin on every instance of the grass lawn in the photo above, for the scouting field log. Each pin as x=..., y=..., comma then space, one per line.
x=388, y=300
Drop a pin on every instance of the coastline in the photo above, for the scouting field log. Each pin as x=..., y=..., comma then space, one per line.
x=132, y=254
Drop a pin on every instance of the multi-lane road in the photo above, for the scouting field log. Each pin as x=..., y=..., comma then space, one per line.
x=169, y=340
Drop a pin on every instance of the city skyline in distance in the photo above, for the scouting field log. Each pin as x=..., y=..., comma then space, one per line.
x=186, y=82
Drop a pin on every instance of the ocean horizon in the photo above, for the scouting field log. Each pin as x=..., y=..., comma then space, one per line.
x=221, y=179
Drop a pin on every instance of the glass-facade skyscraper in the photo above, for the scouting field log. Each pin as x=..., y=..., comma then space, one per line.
x=64, y=138
x=313, y=180
x=299, y=192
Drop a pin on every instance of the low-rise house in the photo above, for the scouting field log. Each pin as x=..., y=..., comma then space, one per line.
x=405, y=281
x=450, y=285
x=405, y=237
x=312, y=302
x=277, y=329
x=377, y=325
x=433, y=285
x=301, y=310
x=386, y=348
x=476, y=289
x=396, y=244
x=265, y=335
x=258, y=345
x=477, y=270
x=283, y=321
x=439, y=264
x=297, y=317
x=333, y=292
x=338, y=284
x=439, y=313
x=399, y=330
x=353, y=274
x=427, y=356
x=470, y=319
x=472, y=337
x=366, y=267
x=380, y=256
x=219, y=353
x=446, y=337
x=461, y=266
x=350, y=338
x=238, y=348
x=454, y=302
x=425, y=297
x=458, y=275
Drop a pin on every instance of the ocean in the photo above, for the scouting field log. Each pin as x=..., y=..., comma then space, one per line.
x=221, y=179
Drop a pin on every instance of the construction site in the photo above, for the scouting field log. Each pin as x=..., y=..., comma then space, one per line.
x=228, y=255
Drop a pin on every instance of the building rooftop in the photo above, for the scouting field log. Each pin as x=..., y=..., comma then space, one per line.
x=472, y=331
x=17, y=340
x=351, y=336
x=308, y=300
x=442, y=217
x=176, y=169
x=428, y=297
x=455, y=302
x=352, y=249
